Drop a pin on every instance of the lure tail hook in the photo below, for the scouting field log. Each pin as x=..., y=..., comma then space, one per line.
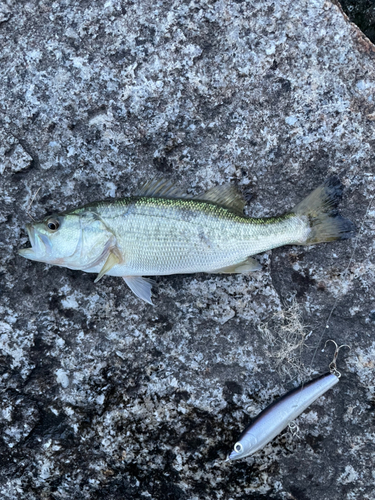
x=332, y=366
x=293, y=428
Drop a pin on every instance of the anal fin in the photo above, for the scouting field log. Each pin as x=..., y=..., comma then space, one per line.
x=246, y=266
x=140, y=286
x=112, y=259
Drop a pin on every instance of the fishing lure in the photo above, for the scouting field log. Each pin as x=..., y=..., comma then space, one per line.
x=277, y=416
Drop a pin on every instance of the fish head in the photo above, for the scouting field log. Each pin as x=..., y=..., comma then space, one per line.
x=78, y=240
x=54, y=240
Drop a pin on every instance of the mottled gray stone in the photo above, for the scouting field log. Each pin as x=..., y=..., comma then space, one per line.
x=104, y=396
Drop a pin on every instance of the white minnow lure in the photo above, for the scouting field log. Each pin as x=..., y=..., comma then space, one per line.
x=162, y=231
x=276, y=417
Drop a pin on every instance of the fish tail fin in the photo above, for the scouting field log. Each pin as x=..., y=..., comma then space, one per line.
x=320, y=207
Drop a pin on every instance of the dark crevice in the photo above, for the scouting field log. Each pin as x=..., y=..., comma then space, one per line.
x=361, y=13
x=30, y=151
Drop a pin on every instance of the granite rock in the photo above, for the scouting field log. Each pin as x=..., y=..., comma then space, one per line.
x=104, y=396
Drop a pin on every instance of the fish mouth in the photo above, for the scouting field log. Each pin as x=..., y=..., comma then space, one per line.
x=37, y=248
x=31, y=234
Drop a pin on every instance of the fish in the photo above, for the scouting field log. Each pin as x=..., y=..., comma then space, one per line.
x=162, y=231
x=277, y=416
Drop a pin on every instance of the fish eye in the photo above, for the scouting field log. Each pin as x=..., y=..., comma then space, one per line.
x=53, y=224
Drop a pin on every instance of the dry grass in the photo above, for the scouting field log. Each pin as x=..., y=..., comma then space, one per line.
x=285, y=336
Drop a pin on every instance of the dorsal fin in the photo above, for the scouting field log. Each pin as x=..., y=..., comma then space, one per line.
x=226, y=196
x=158, y=188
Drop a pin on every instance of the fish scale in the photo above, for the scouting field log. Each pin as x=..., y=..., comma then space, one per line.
x=157, y=238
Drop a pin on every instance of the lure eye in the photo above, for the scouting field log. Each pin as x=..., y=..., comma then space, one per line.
x=53, y=224
x=238, y=447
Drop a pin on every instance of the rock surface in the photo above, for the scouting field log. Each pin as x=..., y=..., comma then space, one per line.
x=106, y=397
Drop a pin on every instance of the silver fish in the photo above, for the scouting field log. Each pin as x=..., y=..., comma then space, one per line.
x=161, y=231
x=276, y=417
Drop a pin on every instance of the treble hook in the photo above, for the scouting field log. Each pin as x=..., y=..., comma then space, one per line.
x=332, y=366
x=293, y=428
x=31, y=202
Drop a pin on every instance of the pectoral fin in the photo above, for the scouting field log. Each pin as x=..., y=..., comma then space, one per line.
x=245, y=266
x=112, y=259
x=140, y=286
